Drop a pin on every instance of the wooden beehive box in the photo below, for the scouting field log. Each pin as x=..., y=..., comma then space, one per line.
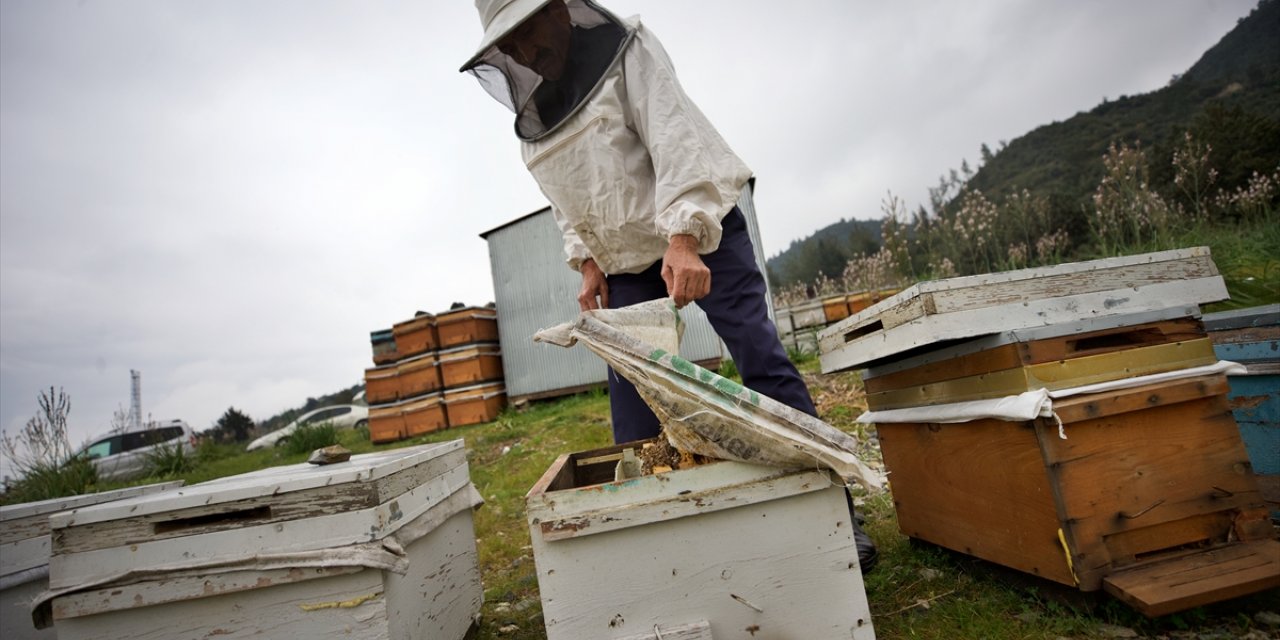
x=467, y=325
x=25, y=547
x=383, y=342
x=471, y=364
x=418, y=375
x=835, y=308
x=423, y=414
x=1252, y=337
x=381, y=384
x=808, y=314
x=930, y=313
x=1060, y=356
x=416, y=336
x=386, y=423
x=380, y=546
x=718, y=547
x=474, y=404
x=1149, y=497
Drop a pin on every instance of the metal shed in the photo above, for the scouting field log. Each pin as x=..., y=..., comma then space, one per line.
x=534, y=289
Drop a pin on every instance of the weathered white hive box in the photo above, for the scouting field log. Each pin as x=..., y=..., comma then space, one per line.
x=724, y=550
x=25, y=549
x=379, y=546
x=930, y=313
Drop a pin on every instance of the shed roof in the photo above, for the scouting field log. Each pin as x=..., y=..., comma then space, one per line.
x=485, y=234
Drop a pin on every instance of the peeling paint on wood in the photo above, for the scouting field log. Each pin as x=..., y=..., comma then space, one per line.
x=695, y=544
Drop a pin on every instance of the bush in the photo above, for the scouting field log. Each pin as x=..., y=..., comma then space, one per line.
x=308, y=438
x=168, y=460
x=42, y=481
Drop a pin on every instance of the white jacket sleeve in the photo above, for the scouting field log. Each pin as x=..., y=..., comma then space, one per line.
x=686, y=151
x=574, y=249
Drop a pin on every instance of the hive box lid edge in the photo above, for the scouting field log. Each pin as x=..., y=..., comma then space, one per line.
x=274, y=480
x=55, y=505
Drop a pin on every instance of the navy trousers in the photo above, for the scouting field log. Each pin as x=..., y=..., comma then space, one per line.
x=738, y=312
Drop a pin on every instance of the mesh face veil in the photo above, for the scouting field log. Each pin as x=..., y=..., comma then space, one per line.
x=543, y=59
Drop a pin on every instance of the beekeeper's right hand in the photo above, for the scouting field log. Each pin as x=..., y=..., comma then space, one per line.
x=595, y=289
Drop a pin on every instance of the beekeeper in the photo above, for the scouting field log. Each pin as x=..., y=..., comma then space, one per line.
x=641, y=185
x=643, y=188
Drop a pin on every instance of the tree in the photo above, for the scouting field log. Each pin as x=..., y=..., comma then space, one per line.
x=234, y=425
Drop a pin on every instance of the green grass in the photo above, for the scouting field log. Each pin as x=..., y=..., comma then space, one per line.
x=916, y=592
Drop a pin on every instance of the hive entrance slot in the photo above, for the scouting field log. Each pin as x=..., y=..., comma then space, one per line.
x=229, y=517
x=864, y=330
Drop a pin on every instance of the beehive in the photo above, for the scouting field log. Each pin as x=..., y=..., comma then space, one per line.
x=386, y=423
x=381, y=384
x=380, y=546
x=418, y=375
x=423, y=414
x=383, y=342
x=25, y=546
x=715, y=547
x=416, y=336
x=474, y=404
x=1252, y=338
x=467, y=325
x=1137, y=483
x=471, y=364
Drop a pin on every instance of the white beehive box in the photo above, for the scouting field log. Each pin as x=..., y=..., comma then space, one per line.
x=379, y=546
x=24, y=554
x=723, y=550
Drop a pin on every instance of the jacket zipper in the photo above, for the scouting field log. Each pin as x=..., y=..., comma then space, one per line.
x=534, y=161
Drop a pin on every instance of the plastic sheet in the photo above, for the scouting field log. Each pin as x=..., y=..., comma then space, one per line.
x=700, y=411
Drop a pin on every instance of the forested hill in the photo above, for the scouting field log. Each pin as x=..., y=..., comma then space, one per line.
x=1229, y=99
x=826, y=252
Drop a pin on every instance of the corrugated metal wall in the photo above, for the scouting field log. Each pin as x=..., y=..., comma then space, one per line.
x=534, y=289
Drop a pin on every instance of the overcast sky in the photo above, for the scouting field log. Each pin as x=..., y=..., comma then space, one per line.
x=228, y=196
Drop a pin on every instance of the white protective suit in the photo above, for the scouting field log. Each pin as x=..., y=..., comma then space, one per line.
x=634, y=161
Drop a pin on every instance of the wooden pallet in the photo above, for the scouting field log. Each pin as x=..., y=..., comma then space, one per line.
x=931, y=313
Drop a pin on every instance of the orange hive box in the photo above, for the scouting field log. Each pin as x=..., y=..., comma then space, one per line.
x=385, y=423
x=418, y=375
x=468, y=325
x=380, y=385
x=423, y=414
x=475, y=404
x=835, y=309
x=461, y=366
x=416, y=336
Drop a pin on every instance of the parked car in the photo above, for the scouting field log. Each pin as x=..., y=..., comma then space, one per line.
x=342, y=416
x=123, y=456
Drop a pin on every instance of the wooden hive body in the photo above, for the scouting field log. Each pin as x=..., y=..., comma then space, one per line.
x=25, y=547
x=292, y=551
x=1145, y=475
x=724, y=550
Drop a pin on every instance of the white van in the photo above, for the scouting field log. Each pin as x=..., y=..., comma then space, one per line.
x=123, y=456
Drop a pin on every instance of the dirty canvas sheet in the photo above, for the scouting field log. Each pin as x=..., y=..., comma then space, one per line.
x=700, y=411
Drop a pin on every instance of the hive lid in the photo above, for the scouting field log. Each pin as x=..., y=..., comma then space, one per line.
x=413, y=324
x=1264, y=316
x=931, y=313
x=266, y=482
x=466, y=313
x=44, y=507
x=428, y=358
x=467, y=350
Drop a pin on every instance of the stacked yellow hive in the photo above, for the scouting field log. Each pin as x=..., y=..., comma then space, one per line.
x=432, y=372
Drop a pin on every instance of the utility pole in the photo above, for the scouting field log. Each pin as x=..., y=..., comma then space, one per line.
x=135, y=405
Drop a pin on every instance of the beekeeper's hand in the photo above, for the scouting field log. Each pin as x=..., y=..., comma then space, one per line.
x=687, y=277
x=595, y=289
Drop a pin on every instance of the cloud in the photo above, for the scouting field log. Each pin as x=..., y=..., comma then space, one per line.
x=229, y=196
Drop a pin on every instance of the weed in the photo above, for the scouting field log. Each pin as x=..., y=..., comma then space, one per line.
x=729, y=369
x=165, y=460
x=309, y=437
